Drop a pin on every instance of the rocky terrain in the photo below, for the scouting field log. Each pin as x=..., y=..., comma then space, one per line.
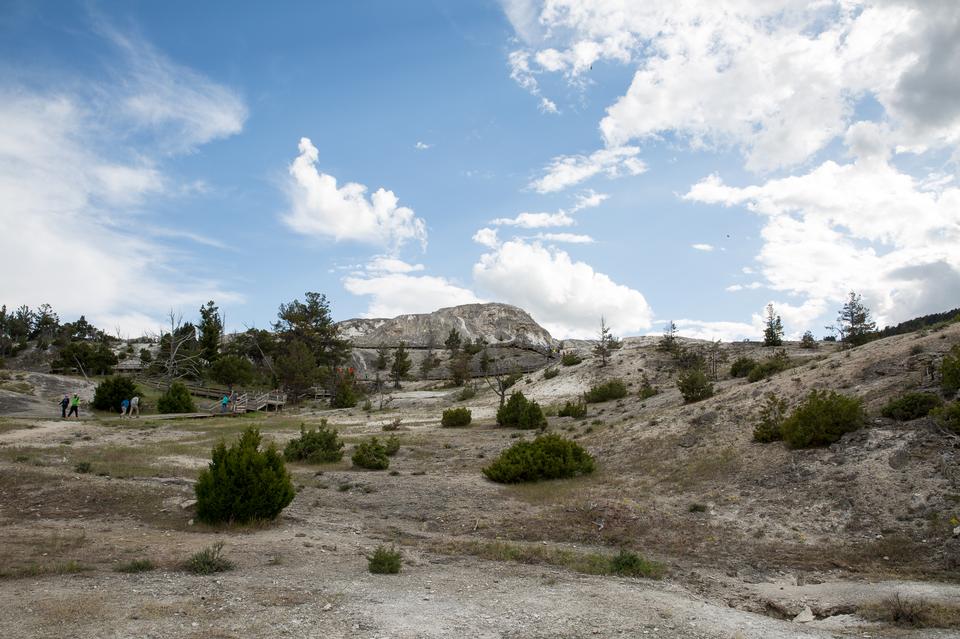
x=755, y=540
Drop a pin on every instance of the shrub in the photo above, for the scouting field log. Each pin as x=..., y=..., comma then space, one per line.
x=948, y=416
x=243, y=483
x=822, y=419
x=345, y=393
x=550, y=373
x=768, y=367
x=630, y=564
x=384, y=561
x=371, y=455
x=113, y=390
x=467, y=392
x=742, y=366
x=454, y=417
x=772, y=414
x=176, y=399
x=315, y=446
x=614, y=389
x=208, y=561
x=647, y=390
x=911, y=406
x=519, y=412
x=546, y=457
x=577, y=410
x=570, y=359
x=83, y=467
x=808, y=341
x=392, y=426
x=694, y=386
x=136, y=565
x=950, y=370
x=392, y=446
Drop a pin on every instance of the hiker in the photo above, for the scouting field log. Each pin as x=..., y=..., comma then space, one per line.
x=224, y=402
x=124, y=407
x=63, y=405
x=74, y=406
x=134, y=407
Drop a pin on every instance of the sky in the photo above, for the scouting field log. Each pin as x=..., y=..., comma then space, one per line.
x=643, y=162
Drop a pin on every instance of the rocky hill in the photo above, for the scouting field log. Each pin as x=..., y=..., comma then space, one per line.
x=514, y=340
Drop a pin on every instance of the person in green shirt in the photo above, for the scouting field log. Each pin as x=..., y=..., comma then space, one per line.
x=74, y=406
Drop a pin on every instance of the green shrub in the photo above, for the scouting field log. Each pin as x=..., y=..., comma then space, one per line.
x=243, y=483
x=742, y=366
x=630, y=564
x=392, y=446
x=453, y=417
x=768, y=367
x=550, y=373
x=83, y=467
x=694, y=386
x=647, y=390
x=772, y=414
x=546, y=457
x=315, y=446
x=808, y=341
x=113, y=390
x=371, y=455
x=948, y=416
x=950, y=370
x=208, y=561
x=136, y=565
x=467, y=392
x=614, y=389
x=176, y=399
x=577, y=410
x=822, y=419
x=345, y=394
x=570, y=359
x=519, y=412
x=911, y=406
x=384, y=561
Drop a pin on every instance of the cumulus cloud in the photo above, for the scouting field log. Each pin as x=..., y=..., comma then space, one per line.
x=71, y=193
x=569, y=170
x=863, y=225
x=422, y=146
x=387, y=264
x=319, y=208
x=536, y=220
x=398, y=293
x=487, y=237
x=565, y=296
x=778, y=79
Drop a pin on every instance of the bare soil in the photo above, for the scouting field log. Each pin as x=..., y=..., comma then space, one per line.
x=750, y=535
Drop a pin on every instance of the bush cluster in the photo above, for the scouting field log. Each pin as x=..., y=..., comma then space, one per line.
x=577, y=410
x=392, y=446
x=371, y=455
x=694, y=386
x=742, y=366
x=176, y=399
x=570, y=359
x=315, y=446
x=772, y=414
x=950, y=370
x=243, y=483
x=550, y=373
x=113, y=390
x=629, y=564
x=454, y=417
x=520, y=412
x=808, y=341
x=614, y=389
x=911, y=406
x=546, y=457
x=948, y=416
x=384, y=561
x=768, y=367
x=822, y=419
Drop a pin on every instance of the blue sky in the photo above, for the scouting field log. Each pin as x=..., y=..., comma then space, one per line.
x=687, y=161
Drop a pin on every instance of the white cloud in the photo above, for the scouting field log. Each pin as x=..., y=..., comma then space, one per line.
x=76, y=225
x=569, y=170
x=487, y=237
x=568, y=238
x=387, y=264
x=565, y=296
x=536, y=220
x=714, y=330
x=864, y=225
x=422, y=146
x=321, y=209
x=702, y=247
x=548, y=106
x=744, y=287
x=399, y=293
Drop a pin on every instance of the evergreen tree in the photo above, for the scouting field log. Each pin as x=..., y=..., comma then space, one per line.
x=211, y=332
x=668, y=343
x=773, y=333
x=297, y=370
x=311, y=324
x=400, y=368
x=452, y=343
x=603, y=347
x=853, y=322
x=383, y=357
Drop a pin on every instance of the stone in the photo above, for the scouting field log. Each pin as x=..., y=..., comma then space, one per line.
x=806, y=616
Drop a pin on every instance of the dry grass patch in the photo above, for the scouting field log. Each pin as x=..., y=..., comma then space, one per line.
x=912, y=612
x=69, y=610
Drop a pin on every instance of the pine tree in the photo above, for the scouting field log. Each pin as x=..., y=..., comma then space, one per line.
x=383, y=357
x=400, y=368
x=853, y=322
x=773, y=333
x=602, y=348
x=211, y=331
x=452, y=343
x=668, y=343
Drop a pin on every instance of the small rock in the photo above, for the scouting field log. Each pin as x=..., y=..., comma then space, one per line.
x=328, y=606
x=956, y=531
x=190, y=503
x=804, y=617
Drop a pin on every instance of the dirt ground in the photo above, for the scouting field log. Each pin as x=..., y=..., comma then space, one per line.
x=749, y=535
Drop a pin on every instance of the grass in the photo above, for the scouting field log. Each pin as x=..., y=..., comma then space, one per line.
x=590, y=563
x=208, y=561
x=136, y=565
x=384, y=561
x=40, y=570
x=914, y=613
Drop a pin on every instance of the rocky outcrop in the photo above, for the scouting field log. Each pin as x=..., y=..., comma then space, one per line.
x=514, y=340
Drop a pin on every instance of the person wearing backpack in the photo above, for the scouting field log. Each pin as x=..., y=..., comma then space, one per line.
x=64, y=403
